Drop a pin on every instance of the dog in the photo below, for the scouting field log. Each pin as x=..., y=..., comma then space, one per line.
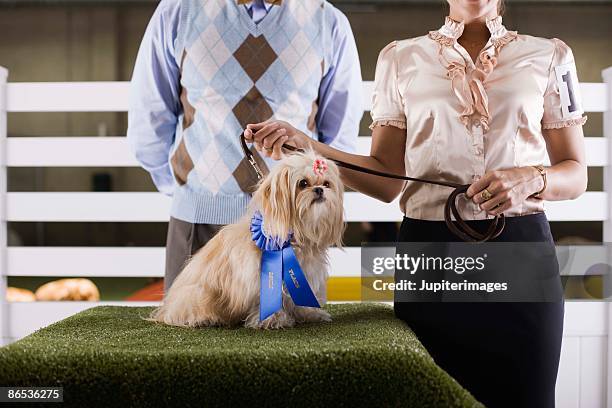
x=219, y=286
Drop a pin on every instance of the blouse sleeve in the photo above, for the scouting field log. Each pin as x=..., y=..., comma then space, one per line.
x=562, y=100
x=387, y=106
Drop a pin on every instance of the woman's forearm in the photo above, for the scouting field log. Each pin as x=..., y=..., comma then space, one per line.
x=567, y=176
x=566, y=180
x=374, y=186
x=386, y=155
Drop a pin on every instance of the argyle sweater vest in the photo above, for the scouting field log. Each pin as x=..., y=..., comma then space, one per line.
x=235, y=72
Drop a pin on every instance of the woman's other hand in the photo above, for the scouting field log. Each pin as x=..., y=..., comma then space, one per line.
x=500, y=190
x=269, y=137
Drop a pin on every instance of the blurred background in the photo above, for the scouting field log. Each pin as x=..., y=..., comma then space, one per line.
x=80, y=40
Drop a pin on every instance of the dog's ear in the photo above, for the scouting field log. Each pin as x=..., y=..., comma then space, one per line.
x=276, y=202
x=334, y=223
x=336, y=217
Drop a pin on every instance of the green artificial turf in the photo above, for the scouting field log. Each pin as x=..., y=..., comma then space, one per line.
x=110, y=356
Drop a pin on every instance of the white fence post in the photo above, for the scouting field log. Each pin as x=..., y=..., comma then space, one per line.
x=3, y=225
x=607, y=224
x=607, y=130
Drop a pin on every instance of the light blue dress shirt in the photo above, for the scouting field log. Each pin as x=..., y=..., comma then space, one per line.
x=154, y=92
x=258, y=9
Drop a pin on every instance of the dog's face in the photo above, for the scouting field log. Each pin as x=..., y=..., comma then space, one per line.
x=303, y=194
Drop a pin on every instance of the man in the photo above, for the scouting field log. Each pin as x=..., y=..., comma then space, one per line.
x=207, y=68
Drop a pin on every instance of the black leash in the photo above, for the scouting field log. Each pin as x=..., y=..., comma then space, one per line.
x=458, y=227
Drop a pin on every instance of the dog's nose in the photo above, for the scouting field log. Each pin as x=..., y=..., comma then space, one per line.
x=318, y=191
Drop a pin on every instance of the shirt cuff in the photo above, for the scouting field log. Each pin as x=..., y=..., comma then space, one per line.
x=163, y=179
x=397, y=122
x=565, y=123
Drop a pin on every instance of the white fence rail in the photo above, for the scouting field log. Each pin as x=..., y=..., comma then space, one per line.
x=154, y=207
x=113, y=96
x=586, y=341
x=114, y=151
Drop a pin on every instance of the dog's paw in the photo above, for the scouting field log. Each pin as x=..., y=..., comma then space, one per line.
x=313, y=315
x=279, y=320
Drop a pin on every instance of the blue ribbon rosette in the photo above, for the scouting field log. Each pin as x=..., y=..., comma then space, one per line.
x=279, y=265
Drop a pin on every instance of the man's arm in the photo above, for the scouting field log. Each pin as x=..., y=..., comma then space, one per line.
x=154, y=96
x=340, y=93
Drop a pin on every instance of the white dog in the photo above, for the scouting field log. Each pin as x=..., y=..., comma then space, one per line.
x=219, y=286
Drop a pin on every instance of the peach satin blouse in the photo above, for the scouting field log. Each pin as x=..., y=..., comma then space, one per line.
x=463, y=119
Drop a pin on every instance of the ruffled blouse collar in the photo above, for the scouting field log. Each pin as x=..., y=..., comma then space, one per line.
x=468, y=79
x=450, y=32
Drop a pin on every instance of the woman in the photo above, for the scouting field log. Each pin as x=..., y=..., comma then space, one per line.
x=473, y=103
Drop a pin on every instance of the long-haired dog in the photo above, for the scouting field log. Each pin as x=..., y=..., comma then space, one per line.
x=220, y=284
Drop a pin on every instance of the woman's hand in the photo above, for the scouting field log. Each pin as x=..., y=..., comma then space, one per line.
x=500, y=190
x=269, y=137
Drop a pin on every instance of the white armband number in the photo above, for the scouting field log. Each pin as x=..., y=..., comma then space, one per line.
x=567, y=82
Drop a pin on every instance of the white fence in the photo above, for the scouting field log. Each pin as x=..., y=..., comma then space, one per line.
x=583, y=379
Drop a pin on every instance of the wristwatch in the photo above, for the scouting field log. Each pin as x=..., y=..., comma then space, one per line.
x=542, y=170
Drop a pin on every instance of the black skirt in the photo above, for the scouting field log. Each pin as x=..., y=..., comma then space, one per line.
x=505, y=354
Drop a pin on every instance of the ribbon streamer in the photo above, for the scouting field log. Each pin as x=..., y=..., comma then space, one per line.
x=279, y=265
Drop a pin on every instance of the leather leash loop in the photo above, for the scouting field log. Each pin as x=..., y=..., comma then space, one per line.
x=458, y=227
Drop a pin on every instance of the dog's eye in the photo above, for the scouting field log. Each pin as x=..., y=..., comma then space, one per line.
x=326, y=184
x=303, y=183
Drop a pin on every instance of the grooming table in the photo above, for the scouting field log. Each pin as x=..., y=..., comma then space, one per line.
x=110, y=356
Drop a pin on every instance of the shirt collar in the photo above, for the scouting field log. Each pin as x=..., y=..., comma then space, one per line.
x=453, y=29
x=267, y=3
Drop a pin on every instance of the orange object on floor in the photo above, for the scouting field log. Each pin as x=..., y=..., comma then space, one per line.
x=153, y=292
x=75, y=289
x=338, y=289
